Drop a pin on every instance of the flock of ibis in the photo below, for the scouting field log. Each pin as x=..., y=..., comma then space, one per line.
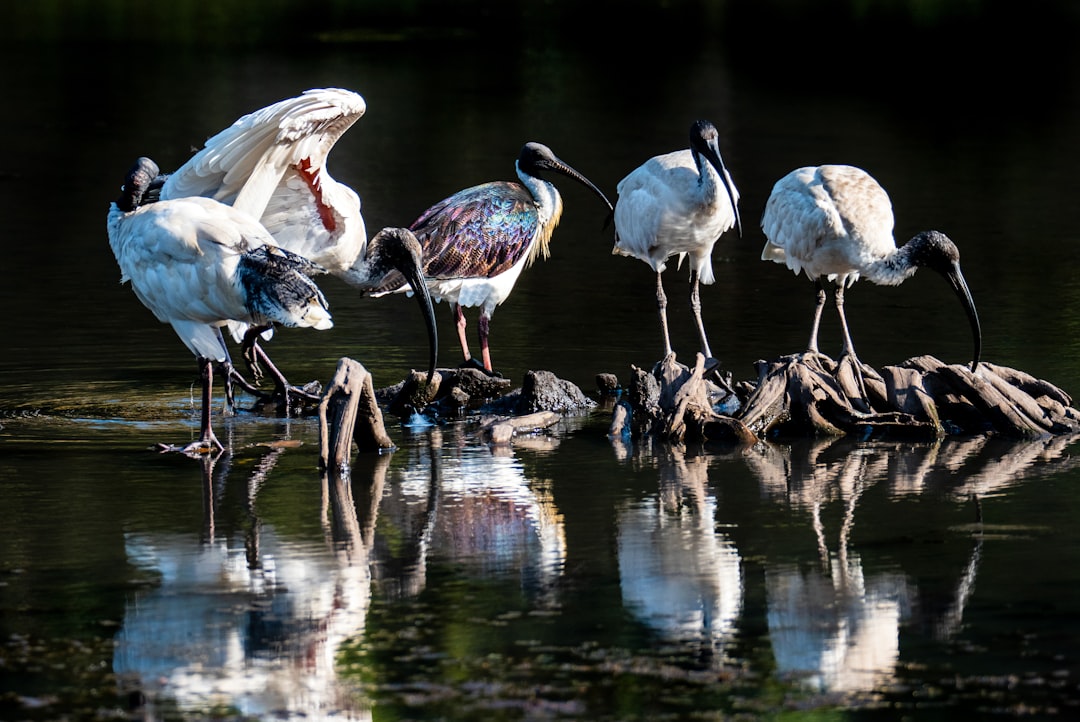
x=234, y=237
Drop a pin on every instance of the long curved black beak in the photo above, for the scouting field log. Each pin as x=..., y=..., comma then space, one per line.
x=569, y=172
x=413, y=272
x=399, y=249
x=713, y=154
x=959, y=285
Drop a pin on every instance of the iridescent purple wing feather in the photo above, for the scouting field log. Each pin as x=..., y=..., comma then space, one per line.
x=478, y=232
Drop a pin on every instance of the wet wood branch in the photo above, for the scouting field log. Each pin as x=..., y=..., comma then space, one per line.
x=810, y=394
x=349, y=413
x=676, y=403
x=502, y=430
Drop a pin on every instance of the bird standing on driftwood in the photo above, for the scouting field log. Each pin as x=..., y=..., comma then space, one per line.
x=835, y=223
x=477, y=241
x=679, y=203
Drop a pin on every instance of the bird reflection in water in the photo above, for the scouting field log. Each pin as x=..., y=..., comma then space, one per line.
x=464, y=502
x=678, y=574
x=246, y=618
x=836, y=625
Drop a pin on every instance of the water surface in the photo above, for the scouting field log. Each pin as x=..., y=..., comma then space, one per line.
x=570, y=575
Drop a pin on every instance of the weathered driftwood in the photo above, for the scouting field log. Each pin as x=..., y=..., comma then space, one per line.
x=468, y=389
x=349, y=413
x=502, y=429
x=451, y=392
x=810, y=394
x=676, y=403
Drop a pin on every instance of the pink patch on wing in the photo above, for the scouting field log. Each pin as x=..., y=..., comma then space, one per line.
x=310, y=174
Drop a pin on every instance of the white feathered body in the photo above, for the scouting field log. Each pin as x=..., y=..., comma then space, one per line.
x=183, y=258
x=832, y=221
x=667, y=208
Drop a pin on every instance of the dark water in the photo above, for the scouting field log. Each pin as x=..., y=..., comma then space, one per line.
x=569, y=576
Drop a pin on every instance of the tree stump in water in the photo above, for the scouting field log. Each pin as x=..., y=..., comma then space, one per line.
x=810, y=394
x=676, y=403
x=348, y=413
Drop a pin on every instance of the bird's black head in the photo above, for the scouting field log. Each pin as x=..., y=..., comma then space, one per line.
x=934, y=250
x=398, y=249
x=138, y=180
x=537, y=157
x=705, y=142
x=703, y=131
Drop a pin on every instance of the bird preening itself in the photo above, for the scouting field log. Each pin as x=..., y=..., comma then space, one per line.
x=835, y=223
x=201, y=265
x=477, y=241
x=678, y=204
x=271, y=164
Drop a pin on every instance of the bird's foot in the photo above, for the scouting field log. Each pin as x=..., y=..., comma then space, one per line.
x=472, y=363
x=815, y=360
x=309, y=393
x=235, y=377
x=849, y=375
x=196, y=449
x=289, y=400
x=251, y=359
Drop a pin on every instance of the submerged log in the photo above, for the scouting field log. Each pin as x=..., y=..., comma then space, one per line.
x=501, y=430
x=349, y=413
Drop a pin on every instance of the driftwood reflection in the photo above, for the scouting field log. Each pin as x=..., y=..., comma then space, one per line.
x=244, y=618
x=679, y=575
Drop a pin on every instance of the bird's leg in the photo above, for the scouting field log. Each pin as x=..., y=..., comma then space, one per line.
x=856, y=387
x=208, y=442
x=227, y=372
x=256, y=358
x=695, y=306
x=238, y=378
x=281, y=385
x=812, y=357
x=459, y=321
x=661, y=308
x=712, y=365
x=249, y=349
x=813, y=347
x=849, y=347
x=483, y=328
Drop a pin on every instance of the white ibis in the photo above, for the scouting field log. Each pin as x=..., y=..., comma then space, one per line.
x=272, y=164
x=199, y=265
x=835, y=223
x=679, y=203
x=478, y=241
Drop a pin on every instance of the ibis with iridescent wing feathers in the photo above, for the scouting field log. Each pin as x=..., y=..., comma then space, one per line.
x=835, y=223
x=272, y=163
x=477, y=241
x=201, y=265
x=678, y=204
